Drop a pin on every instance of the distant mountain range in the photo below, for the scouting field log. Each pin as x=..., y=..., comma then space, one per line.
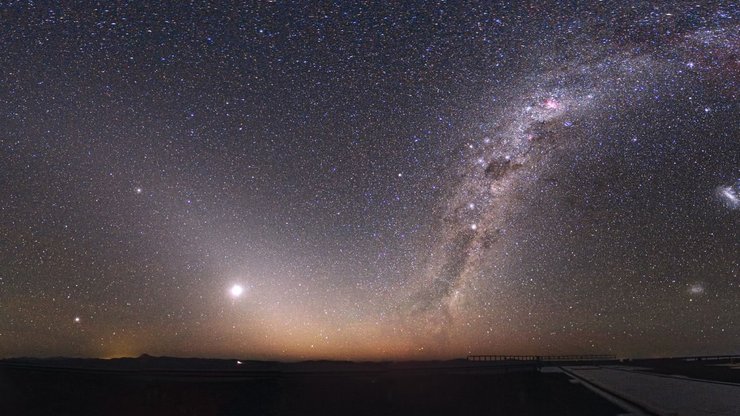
x=148, y=362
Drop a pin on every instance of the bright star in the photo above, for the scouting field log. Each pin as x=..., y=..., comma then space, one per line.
x=77, y=319
x=236, y=291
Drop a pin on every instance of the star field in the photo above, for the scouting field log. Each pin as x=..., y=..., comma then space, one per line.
x=369, y=181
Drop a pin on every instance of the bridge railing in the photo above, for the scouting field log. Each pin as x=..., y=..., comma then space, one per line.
x=587, y=357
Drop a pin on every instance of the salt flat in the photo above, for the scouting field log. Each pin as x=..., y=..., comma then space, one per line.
x=661, y=394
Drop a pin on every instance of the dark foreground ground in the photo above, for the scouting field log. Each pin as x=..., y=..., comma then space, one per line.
x=317, y=389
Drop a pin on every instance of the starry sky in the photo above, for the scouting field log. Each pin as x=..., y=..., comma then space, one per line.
x=361, y=180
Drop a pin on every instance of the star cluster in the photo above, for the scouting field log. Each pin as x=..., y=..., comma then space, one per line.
x=360, y=180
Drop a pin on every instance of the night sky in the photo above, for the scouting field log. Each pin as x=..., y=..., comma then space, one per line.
x=409, y=180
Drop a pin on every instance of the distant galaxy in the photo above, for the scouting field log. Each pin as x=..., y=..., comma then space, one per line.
x=696, y=289
x=348, y=181
x=730, y=195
